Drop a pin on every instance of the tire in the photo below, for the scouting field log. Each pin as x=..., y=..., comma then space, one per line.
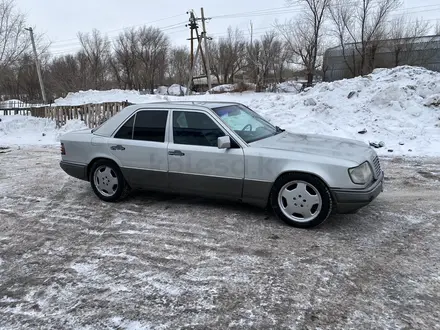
x=107, y=181
x=301, y=200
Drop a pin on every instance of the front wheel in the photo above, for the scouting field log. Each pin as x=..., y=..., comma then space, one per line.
x=107, y=181
x=301, y=200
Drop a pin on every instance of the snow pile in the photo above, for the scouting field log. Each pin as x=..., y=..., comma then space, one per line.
x=396, y=109
x=231, y=88
x=25, y=130
x=118, y=95
x=174, y=90
x=113, y=95
x=394, y=106
x=225, y=88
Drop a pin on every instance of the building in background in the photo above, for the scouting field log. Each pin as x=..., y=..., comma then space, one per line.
x=345, y=62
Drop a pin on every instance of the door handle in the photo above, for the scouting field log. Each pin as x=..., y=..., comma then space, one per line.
x=176, y=153
x=117, y=147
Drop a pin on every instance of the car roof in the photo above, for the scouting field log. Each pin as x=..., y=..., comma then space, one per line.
x=206, y=104
x=109, y=126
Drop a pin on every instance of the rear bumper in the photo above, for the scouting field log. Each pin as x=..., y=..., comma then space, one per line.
x=349, y=201
x=78, y=171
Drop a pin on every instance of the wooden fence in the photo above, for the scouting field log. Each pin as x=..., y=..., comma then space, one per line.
x=93, y=115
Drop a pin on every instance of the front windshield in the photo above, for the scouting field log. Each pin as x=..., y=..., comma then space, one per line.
x=246, y=123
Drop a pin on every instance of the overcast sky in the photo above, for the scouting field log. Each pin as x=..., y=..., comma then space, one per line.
x=61, y=20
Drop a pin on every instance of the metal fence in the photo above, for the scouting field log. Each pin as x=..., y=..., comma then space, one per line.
x=18, y=107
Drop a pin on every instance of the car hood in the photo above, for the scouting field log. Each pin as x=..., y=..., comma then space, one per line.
x=316, y=144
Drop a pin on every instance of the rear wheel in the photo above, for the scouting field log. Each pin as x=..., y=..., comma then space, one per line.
x=107, y=181
x=301, y=200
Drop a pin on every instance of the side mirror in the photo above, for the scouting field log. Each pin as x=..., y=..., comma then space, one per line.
x=224, y=142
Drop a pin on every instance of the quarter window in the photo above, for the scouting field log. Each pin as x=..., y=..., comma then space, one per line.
x=126, y=131
x=150, y=125
x=195, y=128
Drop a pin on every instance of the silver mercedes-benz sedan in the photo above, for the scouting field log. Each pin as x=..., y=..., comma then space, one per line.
x=225, y=151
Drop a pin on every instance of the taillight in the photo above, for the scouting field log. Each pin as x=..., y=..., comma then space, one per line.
x=63, y=150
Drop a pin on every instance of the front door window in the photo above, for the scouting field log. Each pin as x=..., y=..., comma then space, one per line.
x=195, y=128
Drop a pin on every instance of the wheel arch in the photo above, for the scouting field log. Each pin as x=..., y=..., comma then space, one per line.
x=302, y=172
x=298, y=172
x=96, y=159
x=321, y=217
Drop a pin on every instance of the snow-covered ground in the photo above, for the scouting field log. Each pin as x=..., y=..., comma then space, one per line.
x=22, y=131
x=399, y=107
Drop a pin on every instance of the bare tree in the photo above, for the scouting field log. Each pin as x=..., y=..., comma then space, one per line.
x=27, y=77
x=270, y=48
x=14, y=40
x=152, y=50
x=214, y=60
x=178, y=65
x=124, y=59
x=403, y=33
x=265, y=58
x=360, y=28
x=228, y=55
x=96, y=49
x=312, y=21
x=65, y=75
x=300, y=41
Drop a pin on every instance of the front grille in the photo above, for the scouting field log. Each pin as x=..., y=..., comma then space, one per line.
x=376, y=165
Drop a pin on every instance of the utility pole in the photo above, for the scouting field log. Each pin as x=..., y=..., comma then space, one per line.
x=37, y=63
x=191, y=74
x=194, y=27
x=205, y=37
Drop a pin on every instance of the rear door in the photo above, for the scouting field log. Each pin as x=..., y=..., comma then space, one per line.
x=196, y=164
x=141, y=147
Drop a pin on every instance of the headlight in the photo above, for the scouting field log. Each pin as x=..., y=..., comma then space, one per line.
x=361, y=174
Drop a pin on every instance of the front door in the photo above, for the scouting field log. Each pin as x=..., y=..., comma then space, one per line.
x=196, y=164
x=140, y=146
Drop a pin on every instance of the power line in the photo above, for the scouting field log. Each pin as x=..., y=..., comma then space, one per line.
x=298, y=8
x=179, y=27
x=113, y=38
x=164, y=28
x=127, y=28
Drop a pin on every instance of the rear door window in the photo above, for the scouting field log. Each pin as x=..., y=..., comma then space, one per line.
x=150, y=125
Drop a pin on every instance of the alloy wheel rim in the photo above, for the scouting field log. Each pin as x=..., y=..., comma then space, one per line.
x=106, y=180
x=300, y=201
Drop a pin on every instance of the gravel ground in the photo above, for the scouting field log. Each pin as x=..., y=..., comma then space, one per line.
x=70, y=261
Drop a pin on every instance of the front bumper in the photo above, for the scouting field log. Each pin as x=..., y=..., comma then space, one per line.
x=78, y=171
x=351, y=200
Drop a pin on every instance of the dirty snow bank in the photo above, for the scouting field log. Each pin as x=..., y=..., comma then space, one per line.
x=399, y=107
x=25, y=130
